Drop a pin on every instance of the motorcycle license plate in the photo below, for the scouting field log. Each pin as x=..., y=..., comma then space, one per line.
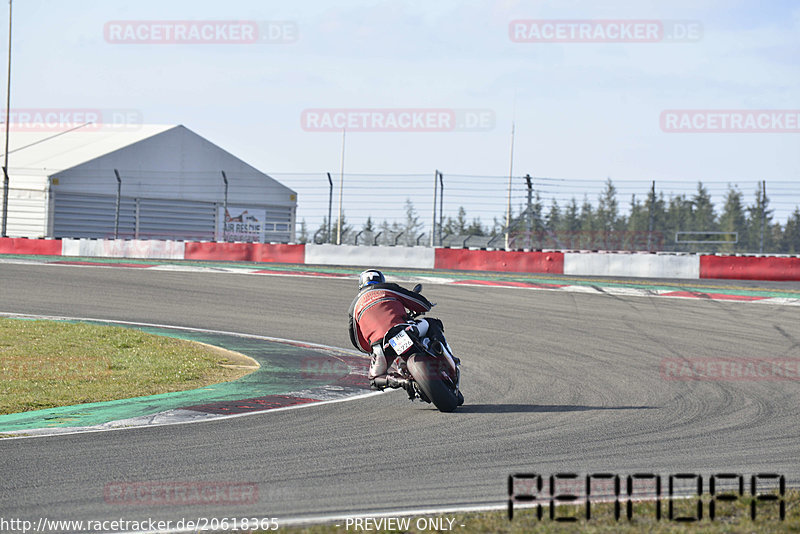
x=401, y=342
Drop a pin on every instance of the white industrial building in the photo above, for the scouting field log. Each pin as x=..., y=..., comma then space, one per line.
x=170, y=186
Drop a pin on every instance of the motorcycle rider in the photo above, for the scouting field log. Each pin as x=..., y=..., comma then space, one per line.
x=378, y=307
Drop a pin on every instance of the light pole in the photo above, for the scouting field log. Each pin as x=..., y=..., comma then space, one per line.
x=510, y=174
x=330, y=206
x=8, y=121
x=433, y=221
x=225, y=208
x=341, y=188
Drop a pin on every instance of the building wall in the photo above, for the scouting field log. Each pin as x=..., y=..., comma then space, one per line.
x=27, y=205
x=172, y=188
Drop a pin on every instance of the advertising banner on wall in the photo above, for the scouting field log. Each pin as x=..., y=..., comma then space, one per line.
x=241, y=223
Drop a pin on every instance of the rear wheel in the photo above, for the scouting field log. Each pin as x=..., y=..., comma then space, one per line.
x=427, y=372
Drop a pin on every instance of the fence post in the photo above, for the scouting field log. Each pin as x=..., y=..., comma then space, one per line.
x=763, y=213
x=116, y=209
x=529, y=217
x=330, y=205
x=225, y=207
x=433, y=217
x=652, y=215
x=441, y=205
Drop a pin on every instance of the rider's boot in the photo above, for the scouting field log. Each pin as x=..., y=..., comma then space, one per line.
x=377, y=369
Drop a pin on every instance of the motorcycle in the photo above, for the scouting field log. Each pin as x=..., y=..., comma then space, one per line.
x=424, y=359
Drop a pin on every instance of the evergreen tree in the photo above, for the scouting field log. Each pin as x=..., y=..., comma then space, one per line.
x=657, y=212
x=497, y=226
x=571, y=223
x=346, y=230
x=703, y=219
x=553, y=218
x=587, y=225
x=759, y=216
x=775, y=238
x=537, y=213
x=459, y=225
x=321, y=235
x=638, y=225
x=732, y=218
x=553, y=221
x=639, y=219
x=412, y=225
x=679, y=217
x=385, y=233
x=369, y=226
x=790, y=240
x=476, y=228
x=395, y=234
x=607, y=214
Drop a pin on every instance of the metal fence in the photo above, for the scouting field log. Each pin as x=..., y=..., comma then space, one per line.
x=460, y=210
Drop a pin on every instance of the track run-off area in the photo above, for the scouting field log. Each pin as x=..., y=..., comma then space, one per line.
x=555, y=381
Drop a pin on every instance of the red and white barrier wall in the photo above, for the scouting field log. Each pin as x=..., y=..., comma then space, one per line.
x=639, y=265
x=410, y=257
x=632, y=265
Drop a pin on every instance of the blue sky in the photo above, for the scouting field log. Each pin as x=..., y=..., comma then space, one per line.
x=582, y=110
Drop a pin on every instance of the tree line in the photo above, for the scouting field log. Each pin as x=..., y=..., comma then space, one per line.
x=651, y=223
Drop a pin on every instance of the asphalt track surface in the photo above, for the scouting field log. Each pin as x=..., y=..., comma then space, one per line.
x=554, y=382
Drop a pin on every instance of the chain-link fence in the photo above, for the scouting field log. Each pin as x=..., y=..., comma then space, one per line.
x=459, y=210
x=462, y=210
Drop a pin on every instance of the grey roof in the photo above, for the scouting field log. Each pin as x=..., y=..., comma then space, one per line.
x=47, y=152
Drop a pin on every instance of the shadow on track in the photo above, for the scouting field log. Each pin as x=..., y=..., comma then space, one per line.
x=533, y=408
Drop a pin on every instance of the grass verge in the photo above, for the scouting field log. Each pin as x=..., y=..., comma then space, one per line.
x=730, y=517
x=44, y=364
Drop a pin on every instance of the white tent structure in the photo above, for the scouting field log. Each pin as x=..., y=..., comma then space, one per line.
x=143, y=182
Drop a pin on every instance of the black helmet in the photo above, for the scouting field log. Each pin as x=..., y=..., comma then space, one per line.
x=369, y=277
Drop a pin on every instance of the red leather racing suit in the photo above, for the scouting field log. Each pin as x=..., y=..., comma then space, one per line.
x=379, y=307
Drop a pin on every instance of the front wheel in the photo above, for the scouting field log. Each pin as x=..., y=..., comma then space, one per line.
x=427, y=372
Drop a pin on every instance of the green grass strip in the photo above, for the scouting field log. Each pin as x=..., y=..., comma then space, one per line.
x=85, y=364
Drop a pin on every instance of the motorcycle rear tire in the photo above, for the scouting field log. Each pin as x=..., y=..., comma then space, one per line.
x=436, y=389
